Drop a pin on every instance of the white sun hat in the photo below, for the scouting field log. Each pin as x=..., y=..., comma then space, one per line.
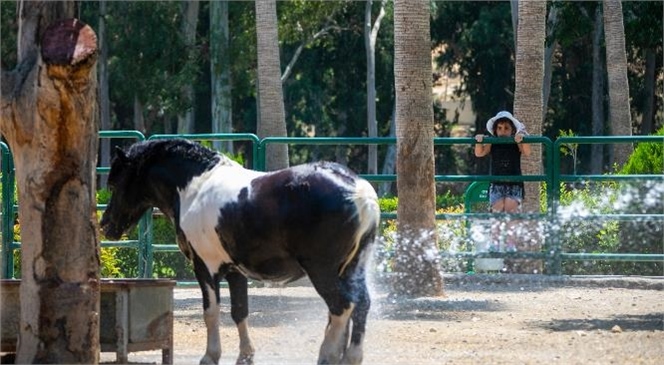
x=520, y=127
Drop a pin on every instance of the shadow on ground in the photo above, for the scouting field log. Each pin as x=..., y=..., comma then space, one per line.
x=647, y=322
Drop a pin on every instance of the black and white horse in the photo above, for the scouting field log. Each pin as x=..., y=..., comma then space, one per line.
x=318, y=219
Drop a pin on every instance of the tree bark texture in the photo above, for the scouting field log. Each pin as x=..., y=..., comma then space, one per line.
x=220, y=73
x=370, y=34
x=417, y=261
x=616, y=66
x=271, y=114
x=104, y=92
x=188, y=29
x=598, y=93
x=49, y=118
x=528, y=104
x=648, y=119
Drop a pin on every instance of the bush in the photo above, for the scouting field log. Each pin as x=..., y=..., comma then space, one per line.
x=640, y=236
x=452, y=234
x=643, y=236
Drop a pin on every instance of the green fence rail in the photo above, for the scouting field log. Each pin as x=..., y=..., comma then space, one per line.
x=552, y=252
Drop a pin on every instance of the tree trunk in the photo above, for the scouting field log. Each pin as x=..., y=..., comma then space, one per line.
x=528, y=103
x=616, y=65
x=370, y=35
x=139, y=120
x=597, y=150
x=220, y=73
x=49, y=117
x=551, y=24
x=649, y=85
x=390, y=161
x=188, y=28
x=104, y=98
x=514, y=11
x=416, y=258
x=271, y=115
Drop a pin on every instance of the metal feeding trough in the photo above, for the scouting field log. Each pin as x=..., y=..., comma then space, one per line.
x=135, y=315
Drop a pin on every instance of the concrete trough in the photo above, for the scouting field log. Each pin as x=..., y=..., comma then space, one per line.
x=135, y=315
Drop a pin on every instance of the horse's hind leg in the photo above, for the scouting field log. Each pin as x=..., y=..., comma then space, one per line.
x=237, y=285
x=327, y=284
x=360, y=294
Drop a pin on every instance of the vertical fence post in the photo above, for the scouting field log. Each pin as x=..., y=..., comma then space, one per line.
x=145, y=250
x=554, y=221
x=549, y=215
x=7, y=212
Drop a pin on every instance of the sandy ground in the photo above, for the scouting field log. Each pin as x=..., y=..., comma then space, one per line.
x=488, y=319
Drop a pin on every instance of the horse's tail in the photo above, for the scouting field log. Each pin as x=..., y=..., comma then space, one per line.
x=368, y=215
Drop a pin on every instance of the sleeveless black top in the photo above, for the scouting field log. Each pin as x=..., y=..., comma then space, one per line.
x=506, y=160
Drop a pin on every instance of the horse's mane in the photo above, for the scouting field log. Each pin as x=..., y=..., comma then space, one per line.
x=178, y=148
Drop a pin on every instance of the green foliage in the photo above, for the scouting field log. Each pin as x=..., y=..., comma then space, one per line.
x=447, y=200
x=168, y=264
x=9, y=31
x=239, y=158
x=109, y=263
x=647, y=158
x=644, y=197
x=479, y=47
x=569, y=149
x=103, y=196
x=587, y=235
x=592, y=235
x=388, y=204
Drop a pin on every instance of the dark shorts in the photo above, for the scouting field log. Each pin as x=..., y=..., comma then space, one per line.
x=500, y=191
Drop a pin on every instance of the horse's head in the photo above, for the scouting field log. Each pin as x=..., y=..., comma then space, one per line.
x=128, y=199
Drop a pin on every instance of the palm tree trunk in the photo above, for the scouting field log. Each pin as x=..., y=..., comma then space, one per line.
x=616, y=65
x=417, y=261
x=271, y=115
x=528, y=104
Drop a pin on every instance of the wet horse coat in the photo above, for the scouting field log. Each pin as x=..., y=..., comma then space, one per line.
x=317, y=219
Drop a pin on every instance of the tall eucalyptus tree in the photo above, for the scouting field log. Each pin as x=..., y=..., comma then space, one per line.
x=371, y=29
x=188, y=28
x=220, y=72
x=597, y=94
x=104, y=92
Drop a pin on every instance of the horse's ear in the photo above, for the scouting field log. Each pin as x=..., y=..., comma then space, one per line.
x=120, y=154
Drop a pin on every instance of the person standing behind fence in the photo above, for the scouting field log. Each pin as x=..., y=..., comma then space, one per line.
x=504, y=196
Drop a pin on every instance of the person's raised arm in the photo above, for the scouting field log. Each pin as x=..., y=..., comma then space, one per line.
x=523, y=147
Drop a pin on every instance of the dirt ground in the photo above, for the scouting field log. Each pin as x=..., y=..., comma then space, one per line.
x=488, y=319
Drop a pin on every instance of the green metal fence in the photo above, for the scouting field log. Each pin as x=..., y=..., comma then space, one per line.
x=552, y=251
x=7, y=212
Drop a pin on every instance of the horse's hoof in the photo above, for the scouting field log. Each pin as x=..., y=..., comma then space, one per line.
x=328, y=361
x=247, y=359
x=353, y=355
x=207, y=360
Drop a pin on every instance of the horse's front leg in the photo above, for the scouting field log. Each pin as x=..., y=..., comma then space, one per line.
x=237, y=285
x=209, y=284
